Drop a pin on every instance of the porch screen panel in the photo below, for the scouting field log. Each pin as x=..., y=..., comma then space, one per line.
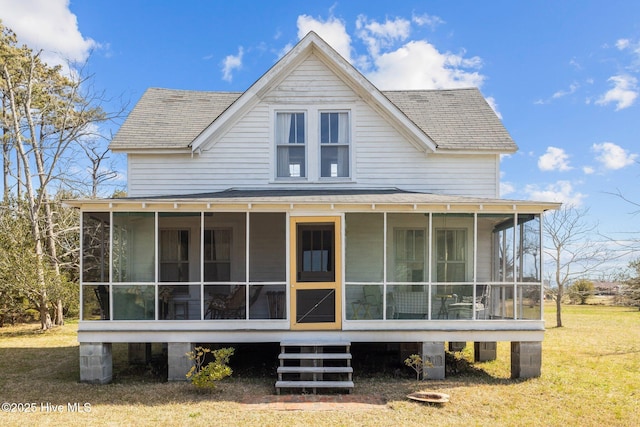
x=133, y=247
x=179, y=302
x=225, y=247
x=504, y=254
x=528, y=248
x=95, y=246
x=179, y=247
x=453, y=247
x=134, y=302
x=315, y=305
x=364, y=244
x=267, y=247
x=267, y=265
x=407, y=247
x=95, y=302
x=451, y=255
x=529, y=302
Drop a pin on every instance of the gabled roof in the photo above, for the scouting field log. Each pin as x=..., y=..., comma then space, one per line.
x=457, y=119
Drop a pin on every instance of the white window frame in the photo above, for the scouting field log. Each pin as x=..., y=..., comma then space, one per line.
x=346, y=144
x=305, y=145
x=312, y=143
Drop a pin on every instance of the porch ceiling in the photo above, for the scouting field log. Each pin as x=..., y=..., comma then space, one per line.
x=344, y=199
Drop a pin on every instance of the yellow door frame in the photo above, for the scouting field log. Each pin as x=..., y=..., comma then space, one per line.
x=336, y=285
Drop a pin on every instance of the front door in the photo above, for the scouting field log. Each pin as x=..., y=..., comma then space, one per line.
x=316, y=290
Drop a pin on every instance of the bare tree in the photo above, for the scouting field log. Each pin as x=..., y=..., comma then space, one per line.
x=570, y=244
x=45, y=113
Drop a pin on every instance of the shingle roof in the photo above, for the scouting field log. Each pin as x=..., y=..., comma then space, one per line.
x=167, y=118
x=455, y=119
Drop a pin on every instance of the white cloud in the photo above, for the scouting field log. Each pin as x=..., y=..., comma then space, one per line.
x=333, y=31
x=376, y=35
x=430, y=21
x=416, y=64
x=419, y=65
x=612, y=156
x=47, y=25
x=561, y=191
x=231, y=63
x=623, y=93
x=494, y=106
x=634, y=48
x=572, y=89
x=506, y=188
x=622, y=44
x=588, y=170
x=555, y=159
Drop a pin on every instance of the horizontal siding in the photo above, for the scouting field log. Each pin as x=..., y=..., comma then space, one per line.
x=385, y=158
x=311, y=82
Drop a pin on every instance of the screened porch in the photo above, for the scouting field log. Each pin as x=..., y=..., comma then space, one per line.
x=221, y=266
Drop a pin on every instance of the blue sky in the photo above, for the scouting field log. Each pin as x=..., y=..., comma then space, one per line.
x=562, y=75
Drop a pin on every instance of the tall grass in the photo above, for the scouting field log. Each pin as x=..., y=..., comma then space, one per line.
x=590, y=377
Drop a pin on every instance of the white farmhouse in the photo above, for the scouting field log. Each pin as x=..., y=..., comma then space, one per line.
x=315, y=211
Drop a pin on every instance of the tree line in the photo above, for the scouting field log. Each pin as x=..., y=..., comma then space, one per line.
x=48, y=117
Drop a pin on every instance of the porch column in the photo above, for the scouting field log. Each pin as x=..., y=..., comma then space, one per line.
x=526, y=359
x=179, y=363
x=433, y=351
x=485, y=351
x=96, y=363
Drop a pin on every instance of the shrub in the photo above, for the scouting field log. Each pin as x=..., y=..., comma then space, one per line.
x=205, y=376
x=416, y=363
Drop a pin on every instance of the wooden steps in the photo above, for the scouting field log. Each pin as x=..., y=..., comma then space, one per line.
x=314, y=365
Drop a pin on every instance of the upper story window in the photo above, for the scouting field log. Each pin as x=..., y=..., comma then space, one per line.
x=291, y=145
x=334, y=144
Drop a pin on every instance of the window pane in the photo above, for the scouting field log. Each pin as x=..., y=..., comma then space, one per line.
x=451, y=250
x=315, y=257
x=133, y=247
x=528, y=245
x=334, y=128
x=291, y=161
x=267, y=302
x=267, y=247
x=299, y=135
x=364, y=247
x=174, y=255
x=95, y=246
x=334, y=161
x=225, y=247
x=225, y=302
x=179, y=302
x=409, y=255
x=290, y=141
x=217, y=250
x=133, y=302
x=95, y=302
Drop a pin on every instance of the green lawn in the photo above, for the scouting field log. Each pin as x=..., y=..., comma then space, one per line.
x=590, y=377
